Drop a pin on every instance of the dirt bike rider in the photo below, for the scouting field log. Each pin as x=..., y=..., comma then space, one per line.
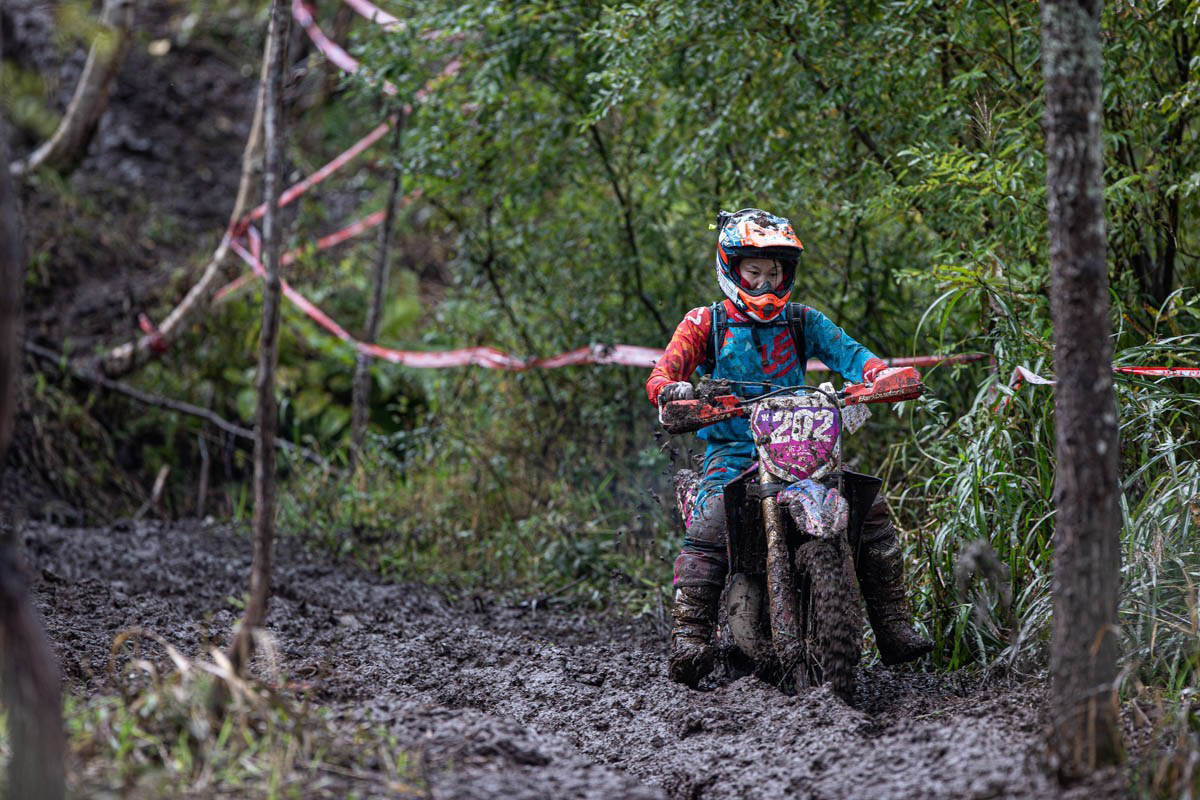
x=757, y=255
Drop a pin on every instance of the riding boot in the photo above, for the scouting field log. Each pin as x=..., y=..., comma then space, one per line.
x=692, y=648
x=880, y=568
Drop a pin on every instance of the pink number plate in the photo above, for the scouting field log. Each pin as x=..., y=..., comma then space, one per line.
x=796, y=440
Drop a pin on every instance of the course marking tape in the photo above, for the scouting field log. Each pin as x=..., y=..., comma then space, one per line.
x=293, y=192
x=617, y=354
x=374, y=14
x=1022, y=375
x=493, y=358
x=1161, y=372
x=303, y=14
x=315, y=314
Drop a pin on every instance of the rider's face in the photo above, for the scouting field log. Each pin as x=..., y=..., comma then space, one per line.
x=761, y=272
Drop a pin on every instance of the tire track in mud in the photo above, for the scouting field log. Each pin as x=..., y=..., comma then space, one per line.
x=503, y=702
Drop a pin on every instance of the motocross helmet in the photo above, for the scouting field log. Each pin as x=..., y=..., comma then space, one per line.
x=753, y=233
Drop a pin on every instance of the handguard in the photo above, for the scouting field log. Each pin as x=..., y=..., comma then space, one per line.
x=684, y=416
x=890, y=386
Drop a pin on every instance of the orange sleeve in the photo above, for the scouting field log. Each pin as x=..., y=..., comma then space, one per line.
x=686, y=351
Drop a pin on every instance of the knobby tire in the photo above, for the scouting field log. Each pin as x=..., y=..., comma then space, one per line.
x=833, y=642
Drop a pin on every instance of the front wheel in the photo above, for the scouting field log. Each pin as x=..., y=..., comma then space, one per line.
x=832, y=621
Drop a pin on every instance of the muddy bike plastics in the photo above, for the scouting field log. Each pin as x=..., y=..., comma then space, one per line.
x=791, y=601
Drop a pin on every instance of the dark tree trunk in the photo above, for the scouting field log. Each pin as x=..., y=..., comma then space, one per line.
x=1087, y=555
x=31, y=691
x=268, y=350
x=360, y=400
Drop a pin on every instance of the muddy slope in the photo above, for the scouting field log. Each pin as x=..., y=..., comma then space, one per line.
x=508, y=702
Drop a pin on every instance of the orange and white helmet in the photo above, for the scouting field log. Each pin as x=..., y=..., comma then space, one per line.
x=754, y=233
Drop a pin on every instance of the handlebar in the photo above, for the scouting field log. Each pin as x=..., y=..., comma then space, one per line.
x=683, y=416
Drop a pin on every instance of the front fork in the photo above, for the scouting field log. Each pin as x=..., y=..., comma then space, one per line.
x=781, y=588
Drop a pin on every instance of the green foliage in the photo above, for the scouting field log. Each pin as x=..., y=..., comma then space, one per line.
x=162, y=736
x=990, y=479
x=22, y=98
x=489, y=519
x=571, y=165
x=568, y=171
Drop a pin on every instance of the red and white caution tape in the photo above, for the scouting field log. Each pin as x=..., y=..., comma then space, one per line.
x=622, y=354
x=490, y=357
x=1021, y=375
x=618, y=354
x=1161, y=372
x=303, y=14
x=374, y=14
x=292, y=192
x=309, y=308
x=933, y=361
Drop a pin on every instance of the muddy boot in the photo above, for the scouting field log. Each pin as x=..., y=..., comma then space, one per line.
x=692, y=649
x=880, y=570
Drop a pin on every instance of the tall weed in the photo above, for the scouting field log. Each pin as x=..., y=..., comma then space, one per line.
x=983, y=550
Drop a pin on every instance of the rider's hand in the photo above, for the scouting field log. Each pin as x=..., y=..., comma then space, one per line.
x=872, y=368
x=680, y=390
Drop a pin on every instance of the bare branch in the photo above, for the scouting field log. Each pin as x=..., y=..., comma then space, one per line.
x=123, y=359
x=69, y=141
x=361, y=393
x=268, y=349
x=91, y=376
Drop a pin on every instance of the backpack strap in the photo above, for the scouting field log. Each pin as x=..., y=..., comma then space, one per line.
x=718, y=321
x=796, y=314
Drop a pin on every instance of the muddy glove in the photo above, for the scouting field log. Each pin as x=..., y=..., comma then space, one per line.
x=872, y=368
x=680, y=390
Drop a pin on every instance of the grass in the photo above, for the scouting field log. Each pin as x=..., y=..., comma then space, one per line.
x=473, y=510
x=160, y=736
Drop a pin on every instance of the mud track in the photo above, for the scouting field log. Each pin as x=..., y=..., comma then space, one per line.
x=513, y=702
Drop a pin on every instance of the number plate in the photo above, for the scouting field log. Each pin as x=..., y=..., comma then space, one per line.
x=795, y=436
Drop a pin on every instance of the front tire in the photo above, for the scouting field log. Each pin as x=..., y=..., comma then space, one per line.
x=833, y=623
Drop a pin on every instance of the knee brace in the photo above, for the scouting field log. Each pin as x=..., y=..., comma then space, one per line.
x=703, y=561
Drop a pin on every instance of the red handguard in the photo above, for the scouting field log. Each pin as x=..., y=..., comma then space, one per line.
x=683, y=416
x=890, y=386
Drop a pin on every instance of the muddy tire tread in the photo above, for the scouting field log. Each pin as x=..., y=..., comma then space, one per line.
x=834, y=641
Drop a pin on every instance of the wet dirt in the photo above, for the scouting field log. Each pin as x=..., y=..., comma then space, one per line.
x=513, y=701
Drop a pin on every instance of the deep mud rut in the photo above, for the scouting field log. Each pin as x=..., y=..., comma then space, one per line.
x=511, y=702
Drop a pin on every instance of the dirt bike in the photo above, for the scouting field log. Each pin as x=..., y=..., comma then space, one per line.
x=791, y=609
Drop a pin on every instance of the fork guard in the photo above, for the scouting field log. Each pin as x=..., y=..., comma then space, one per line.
x=743, y=513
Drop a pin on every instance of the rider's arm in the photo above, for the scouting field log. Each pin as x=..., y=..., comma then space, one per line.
x=834, y=346
x=687, y=350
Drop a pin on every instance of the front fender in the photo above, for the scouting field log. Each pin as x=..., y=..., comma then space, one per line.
x=818, y=510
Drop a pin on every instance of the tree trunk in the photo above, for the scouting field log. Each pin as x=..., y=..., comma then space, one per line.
x=360, y=401
x=1087, y=554
x=70, y=140
x=264, y=443
x=31, y=690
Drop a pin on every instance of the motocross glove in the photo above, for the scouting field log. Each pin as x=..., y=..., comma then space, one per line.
x=680, y=390
x=872, y=368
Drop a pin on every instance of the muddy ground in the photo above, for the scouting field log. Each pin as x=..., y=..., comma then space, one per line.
x=497, y=700
x=505, y=700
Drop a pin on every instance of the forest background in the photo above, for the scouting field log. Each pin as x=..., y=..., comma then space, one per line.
x=568, y=172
